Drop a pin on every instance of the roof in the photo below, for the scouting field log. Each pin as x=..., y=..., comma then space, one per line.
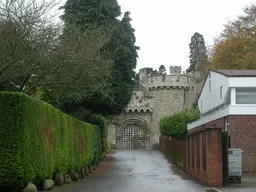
x=237, y=73
x=231, y=73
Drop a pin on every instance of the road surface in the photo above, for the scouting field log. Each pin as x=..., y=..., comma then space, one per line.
x=135, y=171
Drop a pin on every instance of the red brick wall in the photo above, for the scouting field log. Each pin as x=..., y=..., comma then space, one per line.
x=212, y=172
x=214, y=157
x=174, y=149
x=242, y=132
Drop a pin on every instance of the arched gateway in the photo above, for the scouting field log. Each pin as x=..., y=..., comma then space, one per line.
x=133, y=133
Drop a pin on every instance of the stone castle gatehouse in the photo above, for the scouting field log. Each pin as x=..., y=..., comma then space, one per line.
x=157, y=96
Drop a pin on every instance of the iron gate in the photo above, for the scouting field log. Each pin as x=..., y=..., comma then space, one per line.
x=133, y=137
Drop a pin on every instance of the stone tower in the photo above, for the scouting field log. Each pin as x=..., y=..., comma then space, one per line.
x=157, y=96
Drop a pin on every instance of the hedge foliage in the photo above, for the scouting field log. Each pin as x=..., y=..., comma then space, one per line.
x=176, y=125
x=102, y=123
x=38, y=140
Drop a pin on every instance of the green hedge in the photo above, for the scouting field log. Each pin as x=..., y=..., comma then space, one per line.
x=38, y=140
x=102, y=123
x=176, y=125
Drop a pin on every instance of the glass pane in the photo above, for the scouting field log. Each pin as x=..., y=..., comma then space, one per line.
x=246, y=96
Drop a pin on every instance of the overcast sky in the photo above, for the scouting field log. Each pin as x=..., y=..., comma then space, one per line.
x=164, y=27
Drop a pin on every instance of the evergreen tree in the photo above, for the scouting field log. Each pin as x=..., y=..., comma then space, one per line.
x=162, y=69
x=101, y=16
x=198, y=53
x=125, y=64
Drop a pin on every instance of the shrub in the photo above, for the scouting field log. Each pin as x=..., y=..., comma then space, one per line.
x=38, y=140
x=176, y=125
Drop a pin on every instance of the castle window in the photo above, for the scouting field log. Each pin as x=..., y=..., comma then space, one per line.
x=192, y=88
x=221, y=92
x=210, y=85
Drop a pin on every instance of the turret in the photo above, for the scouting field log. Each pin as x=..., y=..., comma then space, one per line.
x=143, y=74
x=175, y=70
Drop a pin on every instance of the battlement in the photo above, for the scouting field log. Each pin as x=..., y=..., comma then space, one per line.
x=183, y=81
x=154, y=80
x=175, y=70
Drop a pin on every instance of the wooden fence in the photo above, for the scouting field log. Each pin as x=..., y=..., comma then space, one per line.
x=175, y=149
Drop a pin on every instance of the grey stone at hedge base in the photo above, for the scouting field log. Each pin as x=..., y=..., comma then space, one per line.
x=48, y=184
x=87, y=171
x=67, y=179
x=59, y=179
x=74, y=176
x=83, y=173
x=30, y=188
x=90, y=169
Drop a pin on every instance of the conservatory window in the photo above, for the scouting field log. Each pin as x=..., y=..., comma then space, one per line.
x=246, y=96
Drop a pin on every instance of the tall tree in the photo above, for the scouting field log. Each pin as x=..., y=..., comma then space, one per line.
x=198, y=53
x=27, y=38
x=102, y=16
x=235, y=48
x=228, y=53
x=125, y=58
x=162, y=69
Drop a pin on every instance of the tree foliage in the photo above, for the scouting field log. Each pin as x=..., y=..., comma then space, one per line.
x=162, y=69
x=119, y=49
x=86, y=64
x=235, y=47
x=198, y=53
x=26, y=43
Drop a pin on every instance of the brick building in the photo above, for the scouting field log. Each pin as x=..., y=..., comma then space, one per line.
x=227, y=104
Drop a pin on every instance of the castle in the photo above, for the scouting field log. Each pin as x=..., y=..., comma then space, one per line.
x=157, y=95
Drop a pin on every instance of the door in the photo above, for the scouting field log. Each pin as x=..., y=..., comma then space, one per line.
x=133, y=137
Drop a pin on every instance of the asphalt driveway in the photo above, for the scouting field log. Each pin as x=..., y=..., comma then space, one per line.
x=135, y=171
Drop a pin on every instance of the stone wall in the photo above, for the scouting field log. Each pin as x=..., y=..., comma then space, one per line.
x=116, y=123
x=166, y=102
x=158, y=95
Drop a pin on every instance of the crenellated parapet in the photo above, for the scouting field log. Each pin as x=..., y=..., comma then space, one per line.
x=174, y=80
x=171, y=81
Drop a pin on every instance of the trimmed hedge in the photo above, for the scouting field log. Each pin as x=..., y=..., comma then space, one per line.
x=102, y=123
x=38, y=141
x=175, y=125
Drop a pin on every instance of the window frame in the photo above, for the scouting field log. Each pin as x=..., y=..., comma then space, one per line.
x=221, y=92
